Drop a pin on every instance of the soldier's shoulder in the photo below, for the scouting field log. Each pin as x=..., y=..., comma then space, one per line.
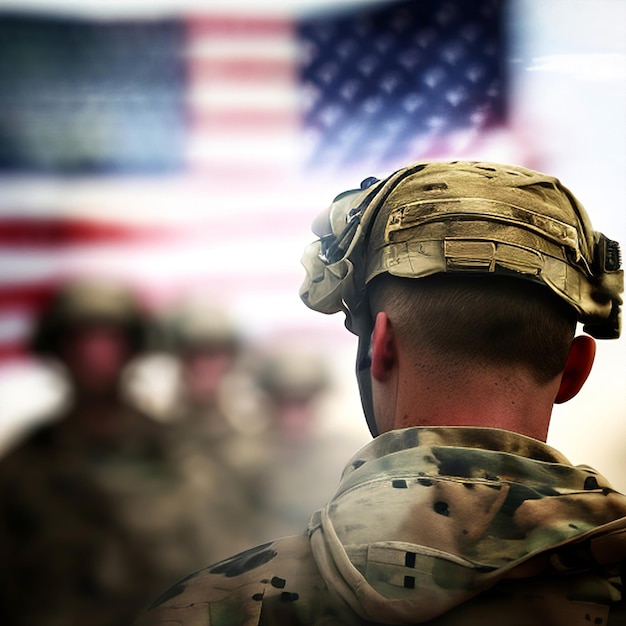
x=233, y=592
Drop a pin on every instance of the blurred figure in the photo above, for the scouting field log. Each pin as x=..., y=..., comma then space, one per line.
x=94, y=513
x=304, y=452
x=206, y=342
x=214, y=423
x=293, y=380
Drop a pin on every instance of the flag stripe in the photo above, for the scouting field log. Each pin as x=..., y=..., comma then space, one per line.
x=59, y=232
x=47, y=233
x=229, y=70
x=26, y=295
x=242, y=121
x=242, y=95
x=247, y=26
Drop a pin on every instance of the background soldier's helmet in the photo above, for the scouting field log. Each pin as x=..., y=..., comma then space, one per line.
x=465, y=217
x=197, y=324
x=85, y=301
x=460, y=217
x=293, y=374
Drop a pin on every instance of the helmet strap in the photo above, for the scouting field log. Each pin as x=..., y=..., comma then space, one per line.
x=363, y=327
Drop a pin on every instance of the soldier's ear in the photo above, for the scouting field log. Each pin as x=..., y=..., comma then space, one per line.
x=577, y=368
x=384, y=350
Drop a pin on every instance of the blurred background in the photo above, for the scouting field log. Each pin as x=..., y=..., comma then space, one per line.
x=185, y=147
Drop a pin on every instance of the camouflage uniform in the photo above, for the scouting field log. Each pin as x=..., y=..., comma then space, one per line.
x=224, y=464
x=218, y=454
x=88, y=536
x=304, y=451
x=447, y=526
x=438, y=526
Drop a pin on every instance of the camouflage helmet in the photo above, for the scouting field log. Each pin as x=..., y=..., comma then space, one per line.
x=461, y=217
x=83, y=301
x=199, y=324
x=293, y=374
x=465, y=217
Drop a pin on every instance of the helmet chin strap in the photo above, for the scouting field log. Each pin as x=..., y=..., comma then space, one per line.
x=363, y=327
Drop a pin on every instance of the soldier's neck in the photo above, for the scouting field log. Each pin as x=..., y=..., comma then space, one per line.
x=507, y=399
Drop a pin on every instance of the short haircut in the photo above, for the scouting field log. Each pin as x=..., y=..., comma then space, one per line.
x=479, y=320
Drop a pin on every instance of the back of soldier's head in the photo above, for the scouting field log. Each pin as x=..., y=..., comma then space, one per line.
x=467, y=321
x=514, y=246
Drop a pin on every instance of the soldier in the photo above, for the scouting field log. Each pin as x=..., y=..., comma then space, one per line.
x=292, y=379
x=213, y=438
x=94, y=515
x=464, y=282
x=207, y=344
x=304, y=448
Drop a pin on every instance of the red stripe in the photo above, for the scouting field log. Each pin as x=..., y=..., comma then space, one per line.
x=50, y=235
x=239, y=70
x=27, y=296
x=57, y=232
x=245, y=120
x=13, y=352
x=242, y=26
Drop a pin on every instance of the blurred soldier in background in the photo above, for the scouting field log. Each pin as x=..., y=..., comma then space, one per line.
x=94, y=514
x=293, y=379
x=207, y=344
x=303, y=450
x=248, y=426
x=214, y=423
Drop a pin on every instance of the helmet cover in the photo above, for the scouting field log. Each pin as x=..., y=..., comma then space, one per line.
x=461, y=217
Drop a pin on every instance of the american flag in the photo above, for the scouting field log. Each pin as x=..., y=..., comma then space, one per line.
x=196, y=149
x=402, y=81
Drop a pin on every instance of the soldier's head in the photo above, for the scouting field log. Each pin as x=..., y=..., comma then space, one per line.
x=95, y=327
x=476, y=265
x=293, y=379
x=206, y=340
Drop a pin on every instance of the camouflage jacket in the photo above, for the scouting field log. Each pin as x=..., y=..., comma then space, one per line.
x=442, y=526
x=90, y=534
